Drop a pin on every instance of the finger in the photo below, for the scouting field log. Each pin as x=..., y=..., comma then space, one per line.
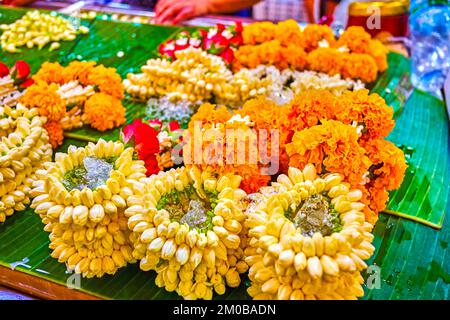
x=184, y=14
x=168, y=13
x=162, y=6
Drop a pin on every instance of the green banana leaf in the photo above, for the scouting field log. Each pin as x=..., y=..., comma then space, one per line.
x=413, y=258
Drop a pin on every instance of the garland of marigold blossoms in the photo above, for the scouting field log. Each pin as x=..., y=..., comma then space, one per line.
x=342, y=134
x=81, y=93
x=354, y=55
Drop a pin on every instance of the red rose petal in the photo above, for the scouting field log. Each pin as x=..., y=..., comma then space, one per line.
x=4, y=71
x=22, y=68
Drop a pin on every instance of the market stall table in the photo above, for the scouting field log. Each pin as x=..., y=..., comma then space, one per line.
x=413, y=257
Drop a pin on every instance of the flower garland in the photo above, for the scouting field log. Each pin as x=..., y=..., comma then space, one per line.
x=186, y=226
x=81, y=198
x=308, y=239
x=38, y=29
x=220, y=40
x=81, y=93
x=24, y=149
x=354, y=55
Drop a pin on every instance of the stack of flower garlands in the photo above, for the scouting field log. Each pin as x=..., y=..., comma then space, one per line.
x=268, y=60
x=81, y=93
x=308, y=234
x=81, y=198
x=13, y=81
x=343, y=134
x=24, y=148
x=354, y=55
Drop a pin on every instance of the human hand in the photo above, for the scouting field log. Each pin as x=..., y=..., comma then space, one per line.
x=175, y=11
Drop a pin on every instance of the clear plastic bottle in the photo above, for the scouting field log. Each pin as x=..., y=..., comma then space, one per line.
x=430, y=40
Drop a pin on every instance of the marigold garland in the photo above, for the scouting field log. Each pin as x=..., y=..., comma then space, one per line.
x=332, y=147
x=368, y=110
x=45, y=98
x=91, y=94
x=226, y=147
x=104, y=112
x=354, y=55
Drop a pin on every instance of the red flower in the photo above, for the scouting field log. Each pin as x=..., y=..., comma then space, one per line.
x=227, y=55
x=220, y=27
x=238, y=27
x=174, y=125
x=27, y=83
x=4, y=71
x=22, y=68
x=146, y=143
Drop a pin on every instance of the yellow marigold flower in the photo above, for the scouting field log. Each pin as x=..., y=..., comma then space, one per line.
x=314, y=33
x=367, y=110
x=79, y=70
x=258, y=32
x=45, y=98
x=359, y=66
x=107, y=80
x=356, y=39
x=104, y=112
x=331, y=147
x=55, y=133
x=293, y=257
x=50, y=72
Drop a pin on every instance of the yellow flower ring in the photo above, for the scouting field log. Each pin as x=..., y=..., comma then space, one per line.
x=24, y=148
x=194, y=251
x=288, y=259
x=88, y=228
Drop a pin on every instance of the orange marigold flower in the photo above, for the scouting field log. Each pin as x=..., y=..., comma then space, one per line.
x=209, y=115
x=325, y=60
x=270, y=53
x=331, y=147
x=379, y=52
x=227, y=147
x=50, y=72
x=107, y=81
x=258, y=32
x=375, y=200
x=356, y=39
x=359, y=66
x=389, y=164
x=79, y=70
x=104, y=112
x=289, y=33
x=314, y=33
x=308, y=108
x=55, y=133
x=45, y=98
x=267, y=116
x=368, y=110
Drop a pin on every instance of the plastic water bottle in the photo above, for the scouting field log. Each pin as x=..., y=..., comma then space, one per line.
x=429, y=25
